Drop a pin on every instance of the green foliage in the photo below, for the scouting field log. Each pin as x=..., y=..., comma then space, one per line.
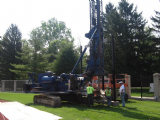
x=134, y=46
x=66, y=60
x=45, y=45
x=156, y=23
x=54, y=30
x=10, y=46
x=33, y=59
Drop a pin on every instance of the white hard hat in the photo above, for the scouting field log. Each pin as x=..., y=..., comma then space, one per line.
x=120, y=82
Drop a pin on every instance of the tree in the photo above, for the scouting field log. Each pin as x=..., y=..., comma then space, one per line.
x=156, y=38
x=156, y=23
x=55, y=34
x=42, y=49
x=11, y=44
x=66, y=59
x=54, y=30
x=33, y=57
x=132, y=41
x=110, y=19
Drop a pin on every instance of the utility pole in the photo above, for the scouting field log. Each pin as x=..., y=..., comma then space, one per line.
x=81, y=59
x=113, y=69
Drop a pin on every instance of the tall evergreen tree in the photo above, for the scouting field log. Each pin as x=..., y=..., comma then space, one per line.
x=131, y=39
x=33, y=57
x=156, y=23
x=156, y=31
x=11, y=44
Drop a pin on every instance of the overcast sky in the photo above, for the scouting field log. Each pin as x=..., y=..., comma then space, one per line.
x=28, y=14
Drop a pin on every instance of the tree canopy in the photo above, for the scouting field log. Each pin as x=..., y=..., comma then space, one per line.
x=134, y=47
x=48, y=45
x=10, y=45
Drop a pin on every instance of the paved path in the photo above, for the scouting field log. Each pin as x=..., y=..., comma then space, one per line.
x=143, y=98
x=18, y=111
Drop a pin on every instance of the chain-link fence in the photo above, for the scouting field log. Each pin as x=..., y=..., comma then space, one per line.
x=12, y=85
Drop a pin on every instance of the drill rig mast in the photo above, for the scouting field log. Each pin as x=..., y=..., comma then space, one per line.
x=96, y=62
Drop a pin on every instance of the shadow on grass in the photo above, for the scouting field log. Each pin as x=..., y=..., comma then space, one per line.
x=127, y=112
x=130, y=101
x=134, y=114
x=32, y=104
x=63, y=104
x=130, y=112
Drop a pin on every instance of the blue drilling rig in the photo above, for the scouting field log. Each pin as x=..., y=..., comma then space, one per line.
x=71, y=87
x=96, y=62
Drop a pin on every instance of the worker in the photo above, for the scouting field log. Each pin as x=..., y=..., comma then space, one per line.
x=90, y=90
x=108, y=95
x=122, y=93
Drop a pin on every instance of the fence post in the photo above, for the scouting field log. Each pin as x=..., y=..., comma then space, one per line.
x=15, y=85
x=156, y=79
x=3, y=85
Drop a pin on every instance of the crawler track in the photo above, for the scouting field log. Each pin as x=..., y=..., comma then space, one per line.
x=52, y=101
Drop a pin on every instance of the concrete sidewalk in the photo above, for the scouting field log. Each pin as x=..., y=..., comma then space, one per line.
x=18, y=111
x=143, y=98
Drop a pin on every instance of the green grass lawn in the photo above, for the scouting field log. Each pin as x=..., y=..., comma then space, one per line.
x=145, y=92
x=134, y=110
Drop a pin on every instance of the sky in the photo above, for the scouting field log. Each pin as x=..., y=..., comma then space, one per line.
x=28, y=14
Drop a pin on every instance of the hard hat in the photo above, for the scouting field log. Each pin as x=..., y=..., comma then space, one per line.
x=107, y=86
x=120, y=82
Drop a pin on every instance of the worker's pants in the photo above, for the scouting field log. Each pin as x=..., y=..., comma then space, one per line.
x=122, y=98
x=109, y=99
x=90, y=102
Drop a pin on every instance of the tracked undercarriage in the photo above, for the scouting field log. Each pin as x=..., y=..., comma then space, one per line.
x=53, y=101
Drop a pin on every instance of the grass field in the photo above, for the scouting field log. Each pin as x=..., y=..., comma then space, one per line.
x=134, y=110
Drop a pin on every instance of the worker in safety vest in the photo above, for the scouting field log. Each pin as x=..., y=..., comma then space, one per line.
x=108, y=95
x=90, y=90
